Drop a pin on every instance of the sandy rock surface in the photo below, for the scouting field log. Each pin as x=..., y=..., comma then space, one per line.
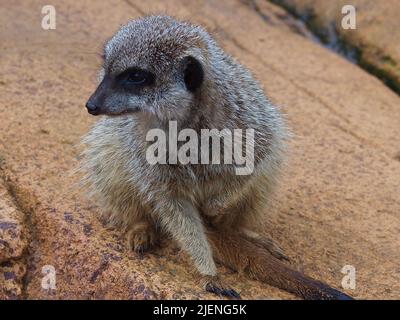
x=13, y=244
x=377, y=34
x=338, y=203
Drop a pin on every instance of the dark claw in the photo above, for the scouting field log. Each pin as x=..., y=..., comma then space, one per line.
x=213, y=289
x=282, y=257
x=141, y=250
x=230, y=293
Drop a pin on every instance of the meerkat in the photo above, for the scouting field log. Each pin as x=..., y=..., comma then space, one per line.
x=156, y=70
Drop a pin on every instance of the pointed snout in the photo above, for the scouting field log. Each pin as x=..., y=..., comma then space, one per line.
x=92, y=108
x=96, y=102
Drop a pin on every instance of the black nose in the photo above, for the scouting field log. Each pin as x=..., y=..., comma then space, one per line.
x=92, y=108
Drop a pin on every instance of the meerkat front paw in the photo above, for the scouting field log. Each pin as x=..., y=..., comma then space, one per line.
x=141, y=238
x=215, y=285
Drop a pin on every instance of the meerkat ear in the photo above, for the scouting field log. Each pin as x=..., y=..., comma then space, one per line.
x=193, y=73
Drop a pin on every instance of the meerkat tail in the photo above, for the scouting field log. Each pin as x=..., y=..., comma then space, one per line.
x=243, y=255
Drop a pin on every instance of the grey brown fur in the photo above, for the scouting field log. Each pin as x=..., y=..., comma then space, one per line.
x=195, y=204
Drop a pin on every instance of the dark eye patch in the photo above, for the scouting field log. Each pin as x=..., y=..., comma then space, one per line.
x=135, y=77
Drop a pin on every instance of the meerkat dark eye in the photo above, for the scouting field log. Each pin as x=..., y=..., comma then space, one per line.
x=136, y=77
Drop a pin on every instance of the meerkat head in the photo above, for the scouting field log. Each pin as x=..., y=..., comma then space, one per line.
x=156, y=65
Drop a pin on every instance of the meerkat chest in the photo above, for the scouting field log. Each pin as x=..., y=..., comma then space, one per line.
x=216, y=193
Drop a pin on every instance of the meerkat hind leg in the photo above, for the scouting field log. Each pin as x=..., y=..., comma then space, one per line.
x=266, y=243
